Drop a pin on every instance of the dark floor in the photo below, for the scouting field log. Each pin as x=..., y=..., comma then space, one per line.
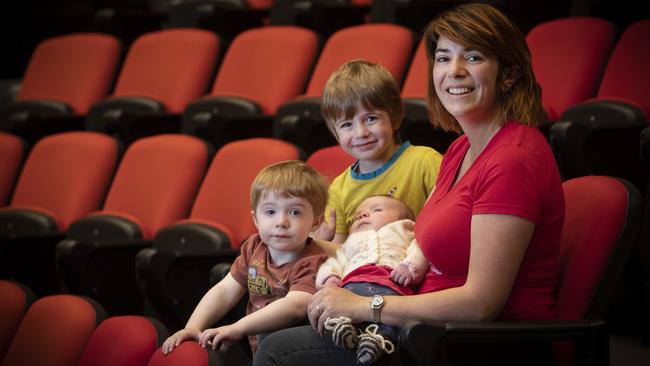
x=628, y=350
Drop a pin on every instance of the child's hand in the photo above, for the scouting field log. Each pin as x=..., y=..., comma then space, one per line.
x=401, y=275
x=406, y=273
x=327, y=228
x=333, y=281
x=220, y=338
x=179, y=337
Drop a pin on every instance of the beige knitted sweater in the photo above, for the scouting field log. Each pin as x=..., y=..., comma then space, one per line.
x=391, y=245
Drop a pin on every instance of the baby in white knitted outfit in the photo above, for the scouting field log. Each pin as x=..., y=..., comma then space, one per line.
x=380, y=257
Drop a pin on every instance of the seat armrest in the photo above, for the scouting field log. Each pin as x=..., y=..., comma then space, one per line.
x=610, y=114
x=417, y=128
x=24, y=223
x=37, y=118
x=104, y=228
x=301, y=123
x=191, y=239
x=107, y=116
x=598, y=138
x=423, y=342
x=224, y=119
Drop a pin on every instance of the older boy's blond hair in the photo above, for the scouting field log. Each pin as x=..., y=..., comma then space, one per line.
x=291, y=178
x=360, y=82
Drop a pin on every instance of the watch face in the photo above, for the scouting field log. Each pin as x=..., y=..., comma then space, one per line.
x=377, y=301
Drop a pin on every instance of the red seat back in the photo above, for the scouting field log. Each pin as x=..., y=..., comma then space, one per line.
x=124, y=341
x=268, y=65
x=12, y=151
x=188, y=353
x=416, y=82
x=627, y=75
x=330, y=161
x=171, y=66
x=595, y=243
x=54, y=332
x=157, y=180
x=224, y=197
x=66, y=175
x=387, y=44
x=77, y=69
x=16, y=299
x=569, y=58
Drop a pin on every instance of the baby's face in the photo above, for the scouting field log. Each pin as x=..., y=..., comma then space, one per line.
x=375, y=212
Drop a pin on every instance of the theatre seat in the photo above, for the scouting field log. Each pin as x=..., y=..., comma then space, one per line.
x=330, y=161
x=65, y=177
x=154, y=186
x=603, y=216
x=188, y=353
x=12, y=154
x=585, y=44
x=127, y=340
x=16, y=300
x=163, y=71
x=54, y=331
x=601, y=135
x=262, y=69
x=65, y=76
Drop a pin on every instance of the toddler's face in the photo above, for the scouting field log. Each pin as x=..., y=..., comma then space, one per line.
x=284, y=223
x=375, y=212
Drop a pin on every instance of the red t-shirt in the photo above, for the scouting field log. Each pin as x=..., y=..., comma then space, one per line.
x=516, y=174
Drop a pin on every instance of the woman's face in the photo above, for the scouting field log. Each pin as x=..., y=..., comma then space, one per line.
x=465, y=81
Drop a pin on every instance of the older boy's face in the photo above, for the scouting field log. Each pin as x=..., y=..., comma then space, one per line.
x=368, y=137
x=284, y=224
x=376, y=212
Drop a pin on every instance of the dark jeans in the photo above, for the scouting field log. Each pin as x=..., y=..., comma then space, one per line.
x=370, y=289
x=301, y=346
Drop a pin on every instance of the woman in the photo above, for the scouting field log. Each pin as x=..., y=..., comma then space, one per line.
x=491, y=228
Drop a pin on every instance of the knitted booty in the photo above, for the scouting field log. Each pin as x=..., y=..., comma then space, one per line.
x=372, y=345
x=344, y=334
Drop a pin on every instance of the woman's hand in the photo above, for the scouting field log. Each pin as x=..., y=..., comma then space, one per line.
x=332, y=302
x=179, y=337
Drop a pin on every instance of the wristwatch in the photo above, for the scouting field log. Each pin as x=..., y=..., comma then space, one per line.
x=376, y=304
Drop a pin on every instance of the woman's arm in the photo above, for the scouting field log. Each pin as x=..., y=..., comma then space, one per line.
x=498, y=245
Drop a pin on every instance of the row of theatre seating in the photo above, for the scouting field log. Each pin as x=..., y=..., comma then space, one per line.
x=269, y=81
x=69, y=330
x=603, y=216
x=81, y=212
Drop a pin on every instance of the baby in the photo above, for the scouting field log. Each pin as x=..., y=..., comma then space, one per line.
x=380, y=257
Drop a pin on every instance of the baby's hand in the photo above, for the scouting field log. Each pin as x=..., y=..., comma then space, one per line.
x=177, y=338
x=327, y=228
x=402, y=276
x=333, y=281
